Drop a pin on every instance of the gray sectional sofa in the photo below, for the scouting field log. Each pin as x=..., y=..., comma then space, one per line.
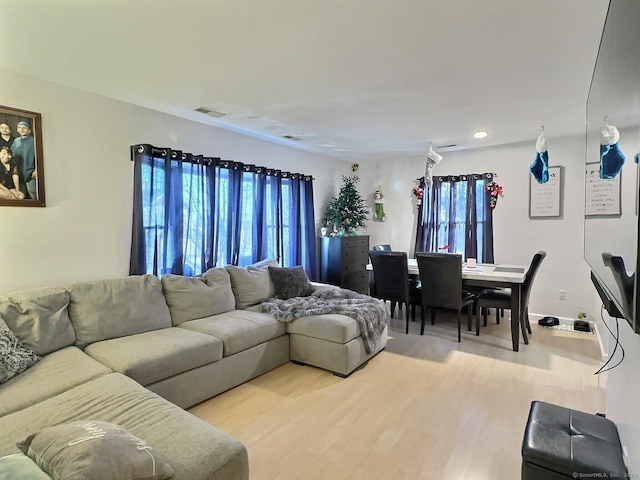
x=136, y=351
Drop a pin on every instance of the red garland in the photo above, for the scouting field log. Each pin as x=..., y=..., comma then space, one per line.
x=418, y=192
x=494, y=190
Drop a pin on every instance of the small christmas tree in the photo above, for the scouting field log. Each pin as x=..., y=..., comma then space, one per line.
x=347, y=212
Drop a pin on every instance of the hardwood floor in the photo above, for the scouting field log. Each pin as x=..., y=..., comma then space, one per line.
x=425, y=408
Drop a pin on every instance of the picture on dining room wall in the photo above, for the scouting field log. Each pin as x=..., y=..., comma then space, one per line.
x=545, y=199
x=21, y=163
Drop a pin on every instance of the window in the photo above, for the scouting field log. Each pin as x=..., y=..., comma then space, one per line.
x=456, y=217
x=193, y=213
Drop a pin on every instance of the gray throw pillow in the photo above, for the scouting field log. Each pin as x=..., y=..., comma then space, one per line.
x=15, y=358
x=93, y=450
x=290, y=282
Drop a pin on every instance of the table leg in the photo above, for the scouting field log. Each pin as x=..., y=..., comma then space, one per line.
x=515, y=315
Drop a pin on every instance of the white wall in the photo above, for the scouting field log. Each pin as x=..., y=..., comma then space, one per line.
x=395, y=179
x=85, y=230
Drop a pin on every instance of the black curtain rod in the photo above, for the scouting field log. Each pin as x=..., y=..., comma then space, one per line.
x=201, y=159
x=486, y=175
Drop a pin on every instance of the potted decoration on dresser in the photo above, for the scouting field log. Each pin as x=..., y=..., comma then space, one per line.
x=346, y=212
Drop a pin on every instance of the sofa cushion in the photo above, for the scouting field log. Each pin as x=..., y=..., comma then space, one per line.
x=104, y=309
x=190, y=298
x=195, y=449
x=85, y=449
x=220, y=280
x=251, y=285
x=156, y=355
x=333, y=327
x=15, y=358
x=39, y=318
x=53, y=374
x=20, y=467
x=290, y=282
x=238, y=329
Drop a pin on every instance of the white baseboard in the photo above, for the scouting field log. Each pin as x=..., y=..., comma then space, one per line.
x=568, y=322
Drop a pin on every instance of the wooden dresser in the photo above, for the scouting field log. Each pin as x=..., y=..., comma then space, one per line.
x=343, y=262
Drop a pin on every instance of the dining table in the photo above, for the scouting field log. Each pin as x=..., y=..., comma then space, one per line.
x=491, y=275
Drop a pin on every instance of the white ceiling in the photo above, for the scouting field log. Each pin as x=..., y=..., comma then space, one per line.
x=352, y=79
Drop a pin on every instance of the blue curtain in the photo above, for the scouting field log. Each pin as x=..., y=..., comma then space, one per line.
x=191, y=213
x=455, y=217
x=298, y=221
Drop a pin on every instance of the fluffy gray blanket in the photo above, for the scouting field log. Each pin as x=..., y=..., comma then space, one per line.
x=370, y=313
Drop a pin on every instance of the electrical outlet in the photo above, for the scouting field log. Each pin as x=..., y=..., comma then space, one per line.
x=581, y=314
x=562, y=294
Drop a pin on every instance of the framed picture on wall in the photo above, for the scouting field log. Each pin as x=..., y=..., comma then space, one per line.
x=602, y=196
x=21, y=163
x=545, y=199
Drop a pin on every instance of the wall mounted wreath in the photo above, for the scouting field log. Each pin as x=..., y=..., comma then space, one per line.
x=494, y=190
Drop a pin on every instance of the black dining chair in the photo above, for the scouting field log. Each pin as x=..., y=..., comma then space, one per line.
x=441, y=279
x=383, y=248
x=391, y=279
x=501, y=299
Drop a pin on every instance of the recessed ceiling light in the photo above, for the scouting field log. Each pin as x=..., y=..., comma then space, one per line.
x=480, y=134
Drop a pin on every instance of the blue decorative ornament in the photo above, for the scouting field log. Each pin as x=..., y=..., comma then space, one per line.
x=611, y=157
x=540, y=166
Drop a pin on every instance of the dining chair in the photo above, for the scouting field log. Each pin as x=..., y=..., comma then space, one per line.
x=383, y=248
x=501, y=299
x=441, y=278
x=392, y=282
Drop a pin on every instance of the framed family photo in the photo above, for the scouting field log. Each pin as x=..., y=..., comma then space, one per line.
x=21, y=163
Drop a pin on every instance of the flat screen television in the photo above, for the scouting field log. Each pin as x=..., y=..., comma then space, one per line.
x=611, y=204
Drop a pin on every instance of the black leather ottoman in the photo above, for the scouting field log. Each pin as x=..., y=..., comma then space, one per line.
x=561, y=443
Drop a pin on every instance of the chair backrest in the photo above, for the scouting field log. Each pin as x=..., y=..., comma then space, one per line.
x=391, y=275
x=531, y=274
x=382, y=248
x=441, y=278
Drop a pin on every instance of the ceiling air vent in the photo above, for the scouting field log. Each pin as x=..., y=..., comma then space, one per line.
x=446, y=146
x=292, y=138
x=210, y=112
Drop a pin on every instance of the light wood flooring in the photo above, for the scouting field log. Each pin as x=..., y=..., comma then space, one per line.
x=427, y=407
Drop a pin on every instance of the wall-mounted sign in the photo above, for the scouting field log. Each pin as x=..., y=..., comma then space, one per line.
x=602, y=196
x=545, y=199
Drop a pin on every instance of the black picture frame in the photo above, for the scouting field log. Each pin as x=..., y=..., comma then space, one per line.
x=21, y=157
